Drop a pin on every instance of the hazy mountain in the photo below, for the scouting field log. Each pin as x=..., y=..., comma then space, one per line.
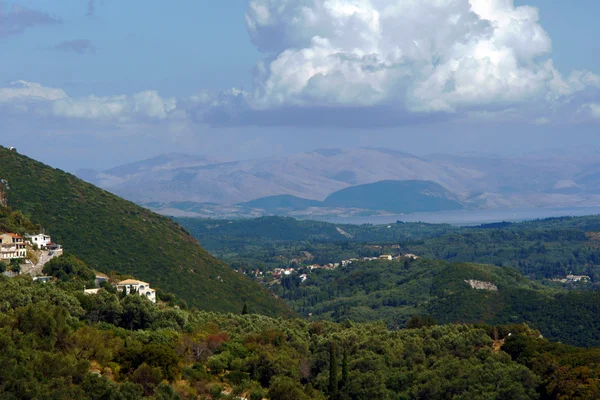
x=395, y=197
x=556, y=178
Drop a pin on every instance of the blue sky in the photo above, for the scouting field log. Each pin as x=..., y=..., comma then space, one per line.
x=113, y=81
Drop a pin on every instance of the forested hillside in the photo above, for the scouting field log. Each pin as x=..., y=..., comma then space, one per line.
x=111, y=234
x=393, y=291
x=540, y=249
x=57, y=343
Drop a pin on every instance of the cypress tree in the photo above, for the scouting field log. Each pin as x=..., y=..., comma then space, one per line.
x=345, y=376
x=333, y=371
x=245, y=309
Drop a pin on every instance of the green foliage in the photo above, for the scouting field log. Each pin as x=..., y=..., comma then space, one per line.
x=111, y=234
x=421, y=292
x=333, y=371
x=284, y=388
x=69, y=267
x=15, y=222
x=539, y=249
x=51, y=348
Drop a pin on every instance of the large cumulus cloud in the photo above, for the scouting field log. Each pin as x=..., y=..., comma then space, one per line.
x=364, y=63
x=406, y=56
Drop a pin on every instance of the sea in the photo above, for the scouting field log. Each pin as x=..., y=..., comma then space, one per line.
x=465, y=217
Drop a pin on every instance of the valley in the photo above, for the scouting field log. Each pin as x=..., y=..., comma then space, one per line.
x=275, y=305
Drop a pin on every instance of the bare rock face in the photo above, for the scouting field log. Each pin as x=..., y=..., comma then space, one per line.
x=3, y=195
x=481, y=285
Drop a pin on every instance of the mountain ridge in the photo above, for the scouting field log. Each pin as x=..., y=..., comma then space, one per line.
x=482, y=181
x=109, y=233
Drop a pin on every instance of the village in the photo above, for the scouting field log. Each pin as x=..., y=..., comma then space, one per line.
x=28, y=254
x=275, y=276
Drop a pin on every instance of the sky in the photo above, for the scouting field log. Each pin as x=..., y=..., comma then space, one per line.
x=98, y=83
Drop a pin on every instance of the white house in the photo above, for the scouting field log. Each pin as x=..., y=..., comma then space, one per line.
x=577, y=278
x=134, y=286
x=40, y=239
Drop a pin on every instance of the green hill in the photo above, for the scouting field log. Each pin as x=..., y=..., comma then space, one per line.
x=284, y=202
x=58, y=343
x=111, y=234
x=394, y=291
x=263, y=228
x=395, y=196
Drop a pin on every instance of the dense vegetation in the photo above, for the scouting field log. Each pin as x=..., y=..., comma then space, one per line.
x=539, y=249
x=56, y=342
x=15, y=222
x=395, y=291
x=111, y=234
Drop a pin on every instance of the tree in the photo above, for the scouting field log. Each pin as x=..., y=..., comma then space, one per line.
x=245, y=309
x=345, y=377
x=138, y=313
x=333, y=371
x=147, y=377
x=417, y=322
x=285, y=388
x=15, y=266
x=69, y=267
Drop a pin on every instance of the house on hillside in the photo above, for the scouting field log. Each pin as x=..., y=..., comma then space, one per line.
x=53, y=246
x=132, y=286
x=40, y=239
x=12, y=246
x=577, y=278
x=386, y=257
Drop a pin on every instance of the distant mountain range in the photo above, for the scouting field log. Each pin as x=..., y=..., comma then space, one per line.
x=179, y=184
x=389, y=196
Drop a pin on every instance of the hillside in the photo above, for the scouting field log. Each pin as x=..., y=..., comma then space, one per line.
x=109, y=233
x=58, y=343
x=549, y=248
x=395, y=197
x=396, y=290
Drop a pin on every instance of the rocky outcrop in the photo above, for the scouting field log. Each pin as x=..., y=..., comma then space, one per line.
x=481, y=285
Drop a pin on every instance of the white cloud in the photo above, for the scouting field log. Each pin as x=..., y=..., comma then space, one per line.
x=25, y=96
x=591, y=109
x=416, y=55
x=365, y=63
x=22, y=91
